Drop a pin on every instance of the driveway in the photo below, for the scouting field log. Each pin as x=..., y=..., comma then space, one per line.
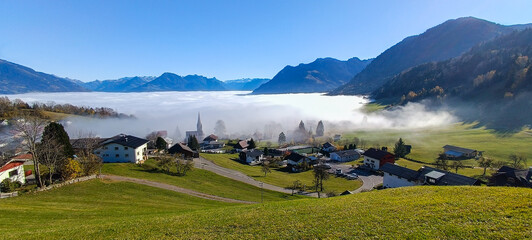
x=369, y=179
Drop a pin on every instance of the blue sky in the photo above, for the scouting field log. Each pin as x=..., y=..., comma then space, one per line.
x=90, y=40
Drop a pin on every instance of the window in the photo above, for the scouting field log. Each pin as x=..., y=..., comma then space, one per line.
x=117, y=155
x=126, y=148
x=13, y=173
x=105, y=148
x=127, y=155
x=116, y=148
x=138, y=153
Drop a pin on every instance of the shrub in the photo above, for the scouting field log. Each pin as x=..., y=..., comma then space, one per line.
x=71, y=169
x=8, y=186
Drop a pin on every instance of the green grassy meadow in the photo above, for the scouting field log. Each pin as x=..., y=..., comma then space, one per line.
x=197, y=180
x=279, y=177
x=101, y=210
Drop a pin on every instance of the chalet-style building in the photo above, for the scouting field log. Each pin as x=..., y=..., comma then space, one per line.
x=454, y=152
x=211, y=142
x=252, y=156
x=328, y=147
x=14, y=169
x=241, y=145
x=345, y=156
x=123, y=148
x=375, y=158
x=397, y=176
x=198, y=133
x=183, y=150
x=294, y=161
x=507, y=176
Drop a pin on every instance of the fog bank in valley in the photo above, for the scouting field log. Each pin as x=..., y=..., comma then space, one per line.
x=243, y=114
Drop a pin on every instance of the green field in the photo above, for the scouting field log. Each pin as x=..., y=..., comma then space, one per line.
x=198, y=180
x=280, y=177
x=99, y=210
x=427, y=143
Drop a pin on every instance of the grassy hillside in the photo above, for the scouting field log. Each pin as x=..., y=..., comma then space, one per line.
x=427, y=143
x=279, y=177
x=198, y=180
x=413, y=213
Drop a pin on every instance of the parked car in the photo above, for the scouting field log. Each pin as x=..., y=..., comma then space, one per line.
x=338, y=171
x=352, y=176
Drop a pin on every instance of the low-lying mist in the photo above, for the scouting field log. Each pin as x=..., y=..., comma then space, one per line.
x=244, y=115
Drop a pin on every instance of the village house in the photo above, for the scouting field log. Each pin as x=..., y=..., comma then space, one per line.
x=454, y=152
x=375, y=158
x=123, y=148
x=294, y=161
x=328, y=147
x=507, y=176
x=241, y=145
x=14, y=169
x=211, y=142
x=345, y=156
x=337, y=137
x=252, y=157
x=397, y=176
x=183, y=150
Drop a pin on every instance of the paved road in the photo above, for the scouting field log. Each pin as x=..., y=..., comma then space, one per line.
x=369, y=180
x=174, y=188
x=205, y=164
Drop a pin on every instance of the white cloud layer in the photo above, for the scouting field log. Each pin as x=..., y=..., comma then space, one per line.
x=243, y=114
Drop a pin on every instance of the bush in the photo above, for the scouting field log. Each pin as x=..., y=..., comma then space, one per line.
x=332, y=194
x=71, y=169
x=9, y=186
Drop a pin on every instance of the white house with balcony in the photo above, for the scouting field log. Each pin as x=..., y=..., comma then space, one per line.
x=123, y=148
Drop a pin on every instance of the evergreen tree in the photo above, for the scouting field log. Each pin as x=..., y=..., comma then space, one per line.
x=56, y=131
x=400, y=149
x=282, y=138
x=161, y=144
x=302, y=127
x=193, y=142
x=251, y=144
x=320, y=130
x=266, y=151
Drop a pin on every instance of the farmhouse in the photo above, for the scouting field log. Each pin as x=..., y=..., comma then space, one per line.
x=345, y=156
x=183, y=150
x=507, y=176
x=328, y=147
x=14, y=169
x=123, y=148
x=211, y=142
x=397, y=176
x=375, y=158
x=241, y=145
x=455, y=152
x=252, y=156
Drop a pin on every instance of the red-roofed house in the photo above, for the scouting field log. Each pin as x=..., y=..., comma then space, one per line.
x=14, y=169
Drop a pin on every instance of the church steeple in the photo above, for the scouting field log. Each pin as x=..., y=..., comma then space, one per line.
x=199, y=127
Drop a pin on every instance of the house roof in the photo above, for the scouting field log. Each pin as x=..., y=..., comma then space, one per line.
x=179, y=147
x=346, y=153
x=126, y=140
x=82, y=143
x=448, y=178
x=242, y=144
x=442, y=177
x=11, y=164
x=210, y=138
x=524, y=176
x=459, y=149
x=254, y=153
x=399, y=171
x=346, y=192
x=375, y=153
x=26, y=156
x=327, y=145
x=296, y=157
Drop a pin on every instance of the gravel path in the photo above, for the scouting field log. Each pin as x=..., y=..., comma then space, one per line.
x=174, y=188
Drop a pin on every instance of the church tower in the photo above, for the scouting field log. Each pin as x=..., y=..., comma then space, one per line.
x=199, y=129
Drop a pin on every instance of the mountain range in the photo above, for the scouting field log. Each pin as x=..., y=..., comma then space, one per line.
x=447, y=40
x=322, y=75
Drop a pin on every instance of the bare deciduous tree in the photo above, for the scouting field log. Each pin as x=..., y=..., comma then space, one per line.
x=50, y=155
x=31, y=128
x=90, y=162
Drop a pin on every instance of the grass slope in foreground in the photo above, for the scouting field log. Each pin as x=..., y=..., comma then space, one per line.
x=89, y=206
x=403, y=213
x=282, y=178
x=197, y=180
